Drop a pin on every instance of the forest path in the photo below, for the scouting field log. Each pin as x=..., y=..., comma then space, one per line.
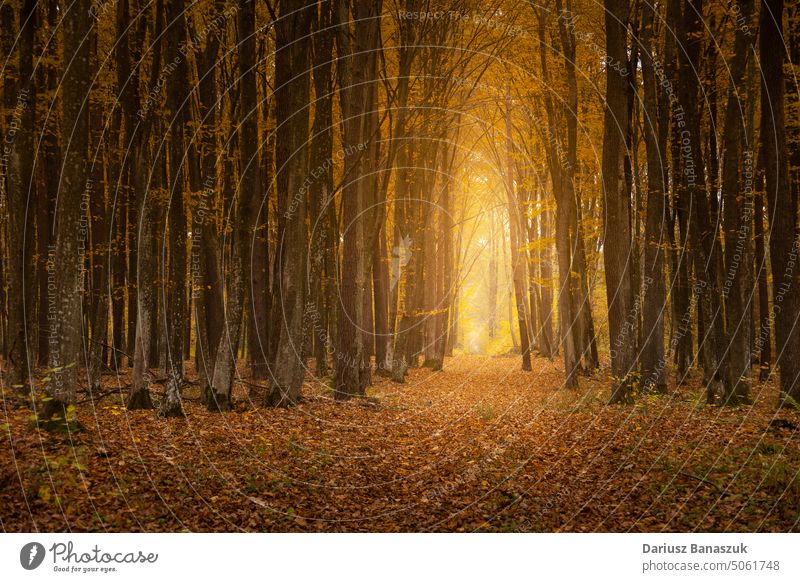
x=479, y=446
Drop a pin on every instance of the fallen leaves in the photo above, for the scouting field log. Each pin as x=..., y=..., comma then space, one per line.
x=480, y=446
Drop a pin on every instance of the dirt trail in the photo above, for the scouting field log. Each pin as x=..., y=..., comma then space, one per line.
x=480, y=446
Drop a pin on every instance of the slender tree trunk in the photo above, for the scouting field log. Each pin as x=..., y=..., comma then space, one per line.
x=50, y=156
x=176, y=309
x=493, y=242
x=258, y=329
x=380, y=286
x=738, y=206
x=69, y=252
x=682, y=304
x=357, y=74
x=207, y=282
x=617, y=242
x=564, y=248
x=517, y=252
x=431, y=296
x=227, y=348
x=653, y=370
x=99, y=224
x=128, y=67
x=546, y=293
x=703, y=228
x=586, y=344
x=763, y=340
x=144, y=260
x=322, y=201
x=782, y=207
x=445, y=267
x=19, y=99
x=292, y=79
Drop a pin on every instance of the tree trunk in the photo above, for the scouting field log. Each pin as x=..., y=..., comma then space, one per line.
x=763, y=341
x=782, y=207
x=258, y=330
x=227, y=348
x=207, y=282
x=19, y=99
x=357, y=74
x=144, y=260
x=100, y=147
x=566, y=316
x=322, y=202
x=546, y=273
x=380, y=286
x=69, y=249
x=50, y=157
x=737, y=197
x=586, y=344
x=653, y=369
x=292, y=80
x=517, y=252
x=176, y=308
x=617, y=242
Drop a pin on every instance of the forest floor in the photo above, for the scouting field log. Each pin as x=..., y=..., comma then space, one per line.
x=481, y=446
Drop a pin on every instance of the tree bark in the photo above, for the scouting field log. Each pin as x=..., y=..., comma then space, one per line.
x=70, y=232
x=567, y=318
x=782, y=207
x=357, y=73
x=292, y=80
x=323, y=245
x=517, y=252
x=737, y=196
x=176, y=307
x=144, y=260
x=653, y=368
x=19, y=99
x=763, y=341
x=616, y=197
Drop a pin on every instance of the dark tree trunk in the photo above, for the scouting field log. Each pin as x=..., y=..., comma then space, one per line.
x=653, y=369
x=682, y=341
x=50, y=157
x=703, y=234
x=128, y=68
x=19, y=99
x=175, y=312
x=99, y=224
x=564, y=249
x=69, y=255
x=431, y=212
x=445, y=266
x=292, y=68
x=148, y=172
x=782, y=207
x=357, y=75
x=227, y=348
x=207, y=283
x=737, y=196
x=586, y=345
x=617, y=241
x=258, y=330
x=323, y=209
x=763, y=341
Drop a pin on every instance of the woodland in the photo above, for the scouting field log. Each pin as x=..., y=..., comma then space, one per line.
x=399, y=265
